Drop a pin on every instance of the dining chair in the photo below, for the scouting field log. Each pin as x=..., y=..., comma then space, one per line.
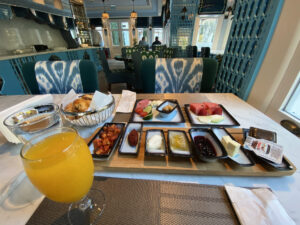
x=88, y=75
x=210, y=69
x=115, y=76
x=148, y=78
x=205, y=52
x=191, y=51
x=138, y=58
x=178, y=75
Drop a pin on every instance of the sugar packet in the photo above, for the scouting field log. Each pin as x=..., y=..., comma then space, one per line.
x=265, y=149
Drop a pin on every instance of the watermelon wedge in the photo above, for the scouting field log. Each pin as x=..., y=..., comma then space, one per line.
x=206, y=109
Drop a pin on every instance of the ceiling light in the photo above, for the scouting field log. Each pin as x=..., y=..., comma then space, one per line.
x=105, y=15
x=133, y=14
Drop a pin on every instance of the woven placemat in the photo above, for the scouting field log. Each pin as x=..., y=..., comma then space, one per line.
x=130, y=201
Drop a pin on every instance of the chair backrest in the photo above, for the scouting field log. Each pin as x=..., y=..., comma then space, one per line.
x=178, y=75
x=148, y=78
x=104, y=62
x=191, y=51
x=159, y=47
x=88, y=74
x=169, y=53
x=138, y=58
x=210, y=67
x=205, y=52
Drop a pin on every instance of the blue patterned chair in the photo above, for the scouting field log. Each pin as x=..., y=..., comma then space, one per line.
x=87, y=71
x=178, y=75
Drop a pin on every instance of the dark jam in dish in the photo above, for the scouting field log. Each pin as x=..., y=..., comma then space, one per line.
x=205, y=146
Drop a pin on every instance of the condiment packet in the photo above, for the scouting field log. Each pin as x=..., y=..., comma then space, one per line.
x=100, y=100
x=265, y=149
x=126, y=102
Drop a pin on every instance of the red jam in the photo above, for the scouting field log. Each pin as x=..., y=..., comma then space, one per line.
x=205, y=146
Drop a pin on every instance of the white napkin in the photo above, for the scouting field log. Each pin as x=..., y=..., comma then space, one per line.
x=257, y=206
x=36, y=100
x=126, y=102
x=100, y=100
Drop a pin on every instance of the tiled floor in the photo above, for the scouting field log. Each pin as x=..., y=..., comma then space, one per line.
x=116, y=88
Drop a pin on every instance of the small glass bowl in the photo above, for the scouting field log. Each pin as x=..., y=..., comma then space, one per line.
x=29, y=121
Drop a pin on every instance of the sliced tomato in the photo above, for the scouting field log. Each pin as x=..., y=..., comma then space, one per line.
x=143, y=114
x=138, y=110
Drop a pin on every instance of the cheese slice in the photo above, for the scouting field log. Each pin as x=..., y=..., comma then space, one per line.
x=232, y=147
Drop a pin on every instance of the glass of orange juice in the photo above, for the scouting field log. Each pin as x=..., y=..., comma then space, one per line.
x=59, y=164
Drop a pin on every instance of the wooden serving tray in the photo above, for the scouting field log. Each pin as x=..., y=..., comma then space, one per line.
x=189, y=166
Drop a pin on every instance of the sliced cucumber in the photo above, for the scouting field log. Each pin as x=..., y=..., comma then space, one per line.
x=148, y=109
x=148, y=117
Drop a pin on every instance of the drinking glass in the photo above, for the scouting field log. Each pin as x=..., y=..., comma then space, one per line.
x=59, y=164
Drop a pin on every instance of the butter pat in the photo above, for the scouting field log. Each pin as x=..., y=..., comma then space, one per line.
x=232, y=147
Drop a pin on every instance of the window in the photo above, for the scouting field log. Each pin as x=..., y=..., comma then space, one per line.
x=115, y=37
x=125, y=25
x=158, y=32
x=206, y=32
x=183, y=36
x=142, y=32
x=292, y=107
x=114, y=25
x=125, y=38
x=99, y=29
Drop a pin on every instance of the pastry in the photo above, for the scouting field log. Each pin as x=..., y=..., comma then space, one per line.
x=81, y=105
x=87, y=97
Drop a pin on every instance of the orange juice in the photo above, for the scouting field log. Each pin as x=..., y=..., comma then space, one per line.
x=61, y=167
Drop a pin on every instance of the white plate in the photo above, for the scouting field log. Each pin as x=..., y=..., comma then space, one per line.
x=241, y=158
x=174, y=117
x=228, y=121
x=125, y=147
x=162, y=150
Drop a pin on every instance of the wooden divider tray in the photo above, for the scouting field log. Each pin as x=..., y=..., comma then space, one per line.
x=189, y=166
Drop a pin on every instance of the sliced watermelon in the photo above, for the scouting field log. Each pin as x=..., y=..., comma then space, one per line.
x=203, y=112
x=197, y=107
x=206, y=108
x=218, y=111
x=210, y=105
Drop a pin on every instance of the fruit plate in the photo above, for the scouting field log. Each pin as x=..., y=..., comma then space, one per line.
x=106, y=156
x=125, y=148
x=229, y=120
x=243, y=158
x=173, y=118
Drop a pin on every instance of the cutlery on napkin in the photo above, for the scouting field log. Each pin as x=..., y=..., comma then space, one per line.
x=36, y=100
x=126, y=102
x=258, y=206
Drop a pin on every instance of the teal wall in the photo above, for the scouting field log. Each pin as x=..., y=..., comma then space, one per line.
x=182, y=29
x=251, y=31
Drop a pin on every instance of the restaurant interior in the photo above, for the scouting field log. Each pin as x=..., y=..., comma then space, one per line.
x=149, y=112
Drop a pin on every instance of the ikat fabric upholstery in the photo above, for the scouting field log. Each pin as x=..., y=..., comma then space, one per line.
x=58, y=77
x=179, y=75
x=149, y=55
